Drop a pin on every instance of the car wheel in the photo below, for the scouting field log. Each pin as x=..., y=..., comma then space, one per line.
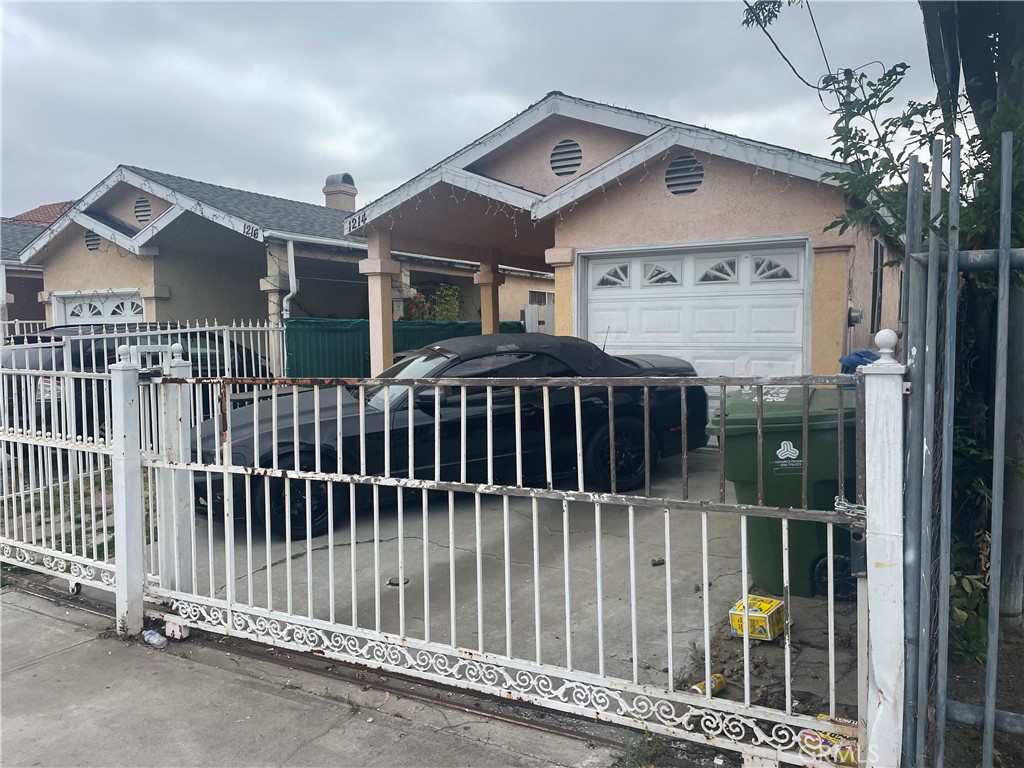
x=629, y=455
x=289, y=510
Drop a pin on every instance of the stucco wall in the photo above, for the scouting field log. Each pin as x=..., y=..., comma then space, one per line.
x=205, y=285
x=515, y=294
x=69, y=266
x=526, y=161
x=735, y=201
x=120, y=202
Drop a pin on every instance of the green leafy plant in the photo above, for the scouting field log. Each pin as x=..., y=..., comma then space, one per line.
x=642, y=751
x=442, y=303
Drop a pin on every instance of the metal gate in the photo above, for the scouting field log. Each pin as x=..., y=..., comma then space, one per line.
x=493, y=564
x=931, y=277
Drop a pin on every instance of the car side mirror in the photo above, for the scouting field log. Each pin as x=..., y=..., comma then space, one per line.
x=424, y=399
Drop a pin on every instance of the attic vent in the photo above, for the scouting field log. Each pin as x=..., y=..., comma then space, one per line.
x=684, y=175
x=92, y=240
x=566, y=158
x=143, y=210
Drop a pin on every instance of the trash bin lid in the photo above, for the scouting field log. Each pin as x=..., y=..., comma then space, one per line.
x=784, y=409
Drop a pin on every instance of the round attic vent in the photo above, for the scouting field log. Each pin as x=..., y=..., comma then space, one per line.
x=92, y=240
x=143, y=210
x=684, y=175
x=566, y=158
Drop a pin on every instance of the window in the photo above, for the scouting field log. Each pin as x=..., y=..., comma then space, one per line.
x=722, y=272
x=663, y=273
x=512, y=365
x=877, y=275
x=766, y=269
x=616, y=277
x=541, y=298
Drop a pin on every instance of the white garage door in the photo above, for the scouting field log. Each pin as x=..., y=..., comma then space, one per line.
x=730, y=313
x=105, y=307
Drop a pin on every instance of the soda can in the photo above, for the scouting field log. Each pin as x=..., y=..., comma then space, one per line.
x=717, y=685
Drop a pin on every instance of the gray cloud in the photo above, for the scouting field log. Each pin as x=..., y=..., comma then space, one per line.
x=273, y=97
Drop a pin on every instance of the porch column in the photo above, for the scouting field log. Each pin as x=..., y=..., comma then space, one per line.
x=275, y=284
x=489, y=279
x=562, y=259
x=379, y=269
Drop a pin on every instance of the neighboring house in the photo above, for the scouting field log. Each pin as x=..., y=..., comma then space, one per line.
x=146, y=245
x=20, y=284
x=662, y=236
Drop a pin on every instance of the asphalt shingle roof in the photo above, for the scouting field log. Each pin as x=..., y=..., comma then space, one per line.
x=268, y=212
x=14, y=236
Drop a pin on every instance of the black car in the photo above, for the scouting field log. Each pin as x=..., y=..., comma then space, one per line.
x=491, y=449
x=39, y=403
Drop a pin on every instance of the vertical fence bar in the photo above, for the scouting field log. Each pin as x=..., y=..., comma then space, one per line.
x=946, y=496
x=174, y=502
x=913, y=331
x=126, y=462
x=884, y=447
x=928, y=446
x=998, y=447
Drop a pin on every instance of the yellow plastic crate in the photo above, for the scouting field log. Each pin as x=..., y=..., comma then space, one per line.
x=767, y=617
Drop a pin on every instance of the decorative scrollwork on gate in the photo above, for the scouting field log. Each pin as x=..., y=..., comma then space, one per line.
x=550, y=686
x=59, y=564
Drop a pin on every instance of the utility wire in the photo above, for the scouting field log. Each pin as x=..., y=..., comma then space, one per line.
x=814, y=24
x=776, y=46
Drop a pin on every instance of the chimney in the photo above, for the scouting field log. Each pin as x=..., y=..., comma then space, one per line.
x=340, y=192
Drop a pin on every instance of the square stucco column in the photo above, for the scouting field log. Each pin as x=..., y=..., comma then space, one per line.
x=379, y=269
x=562, y=259
x=489, y=280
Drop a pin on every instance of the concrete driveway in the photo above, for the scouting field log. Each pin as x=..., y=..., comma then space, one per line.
x=512, y=595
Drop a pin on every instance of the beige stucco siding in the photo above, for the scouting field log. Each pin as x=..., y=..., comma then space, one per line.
x=515, y=294
x=735, y=202
x=526, y=161
x=205, y=285
x=70, y=267
x=120, y=203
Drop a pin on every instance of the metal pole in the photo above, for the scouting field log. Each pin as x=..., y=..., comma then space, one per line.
x=1012, y=598
x=913, y=357
x=998, y=447
x=948, y=404
x=928, y=449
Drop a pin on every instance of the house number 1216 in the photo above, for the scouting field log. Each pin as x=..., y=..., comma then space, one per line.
x=252, y=231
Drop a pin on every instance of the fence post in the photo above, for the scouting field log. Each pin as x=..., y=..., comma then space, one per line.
x=174, y=510
x=126, y=468
x=883, y=440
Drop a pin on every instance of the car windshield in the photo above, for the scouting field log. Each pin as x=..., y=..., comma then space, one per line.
x=420, y=365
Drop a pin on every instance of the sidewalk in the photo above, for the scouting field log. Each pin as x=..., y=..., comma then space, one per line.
x=73, y=694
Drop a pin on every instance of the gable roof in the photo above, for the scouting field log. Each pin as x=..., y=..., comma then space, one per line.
x=14, y=236
x=657, y=132
x=252, y=214
x=265, y=211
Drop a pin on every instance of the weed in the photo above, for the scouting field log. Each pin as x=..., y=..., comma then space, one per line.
x=642, y=751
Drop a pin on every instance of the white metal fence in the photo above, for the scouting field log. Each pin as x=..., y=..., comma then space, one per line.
x=9, y=328
x=477, y=534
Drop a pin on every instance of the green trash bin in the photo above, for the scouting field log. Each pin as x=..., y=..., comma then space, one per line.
x=782, y=460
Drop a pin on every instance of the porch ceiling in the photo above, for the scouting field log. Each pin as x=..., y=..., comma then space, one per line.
x=453, y=223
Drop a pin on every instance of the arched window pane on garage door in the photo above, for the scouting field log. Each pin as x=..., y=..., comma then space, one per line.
x=616, y=277
x=722, y=272
x=85, y=309
x=767, y=269
x=127, y=308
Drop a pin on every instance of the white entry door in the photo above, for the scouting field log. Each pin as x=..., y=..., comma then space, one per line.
x=99, y=307
x=729, y=312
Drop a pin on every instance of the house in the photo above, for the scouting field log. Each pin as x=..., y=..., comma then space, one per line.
x=147, y=245
x=20, y=284
x=662, y=237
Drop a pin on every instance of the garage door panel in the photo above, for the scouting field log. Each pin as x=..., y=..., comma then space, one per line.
x=749, y=322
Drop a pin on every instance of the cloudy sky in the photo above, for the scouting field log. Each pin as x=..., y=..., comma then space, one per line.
x=272, y=97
